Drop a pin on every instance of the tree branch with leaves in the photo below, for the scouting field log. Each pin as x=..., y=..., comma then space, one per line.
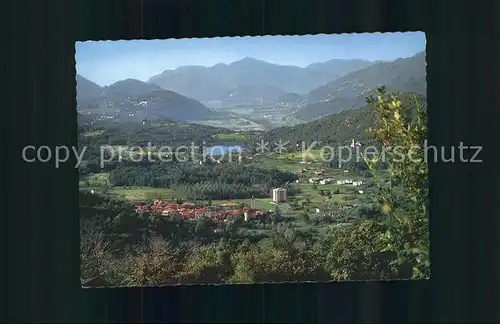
x=401, y=130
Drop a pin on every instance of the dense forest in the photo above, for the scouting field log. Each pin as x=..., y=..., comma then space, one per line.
x=133, y=249
x=159, y=132
x=226, y=181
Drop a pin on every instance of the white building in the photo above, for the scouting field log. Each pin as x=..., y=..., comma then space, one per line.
x=357, y=183
x=355, y=143
x=326, y=181
x=279, y=195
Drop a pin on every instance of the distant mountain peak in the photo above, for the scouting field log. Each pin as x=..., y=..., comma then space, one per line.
x=218, y=65
x=248, y=60
x=86, y=89
x=127, y=81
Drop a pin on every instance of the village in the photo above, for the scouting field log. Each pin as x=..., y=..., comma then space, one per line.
x=189, y=211
x=221, y=212
x=320, y=177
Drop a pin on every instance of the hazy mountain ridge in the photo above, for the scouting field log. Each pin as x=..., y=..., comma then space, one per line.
x=129, y=88
x=137, y=99
x=360, y=81
x=253, y=95
x=212, y=83
x=168, y=104
x=251, y=83
x=86, y=89
x=349, y=91
x=340, y=67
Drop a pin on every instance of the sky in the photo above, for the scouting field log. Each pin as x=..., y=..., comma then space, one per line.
x=105, y=62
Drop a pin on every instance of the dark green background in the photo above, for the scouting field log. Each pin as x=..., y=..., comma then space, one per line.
x=40, y=228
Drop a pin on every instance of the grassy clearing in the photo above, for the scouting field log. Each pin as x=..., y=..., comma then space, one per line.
x=303, y=156
x=159, y=124
x=346, y=194
x=265, y=203
x=95, y=180
x=240, y=111
x=231, y=137
x=230, y=123
x=94, y=133
x=260, y=203
x=311, y=189
x=269, y=163
x=143, y=193
x=276, y=161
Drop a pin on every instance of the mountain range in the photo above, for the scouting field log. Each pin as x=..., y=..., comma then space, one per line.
x=86, y=89
x=215, y=83
x=134, y=98
x=317, y=90
x=349, y=91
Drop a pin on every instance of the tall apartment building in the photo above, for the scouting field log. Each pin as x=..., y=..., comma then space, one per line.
x=279, y=195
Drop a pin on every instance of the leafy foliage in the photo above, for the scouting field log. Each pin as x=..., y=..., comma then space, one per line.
x=364, y=258
x=402, y=130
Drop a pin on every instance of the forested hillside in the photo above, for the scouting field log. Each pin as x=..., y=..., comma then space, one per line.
x=139, y=100
x=338, y=128
x=158, y=133
x=86, y=89
x=349, y=91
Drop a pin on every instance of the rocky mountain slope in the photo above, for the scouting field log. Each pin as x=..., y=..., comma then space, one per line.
x=349, y=91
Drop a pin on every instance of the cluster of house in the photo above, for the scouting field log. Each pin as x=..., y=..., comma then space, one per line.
x=353, y=182
x=324, y=181
x=193, y=211
x=315, y=180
